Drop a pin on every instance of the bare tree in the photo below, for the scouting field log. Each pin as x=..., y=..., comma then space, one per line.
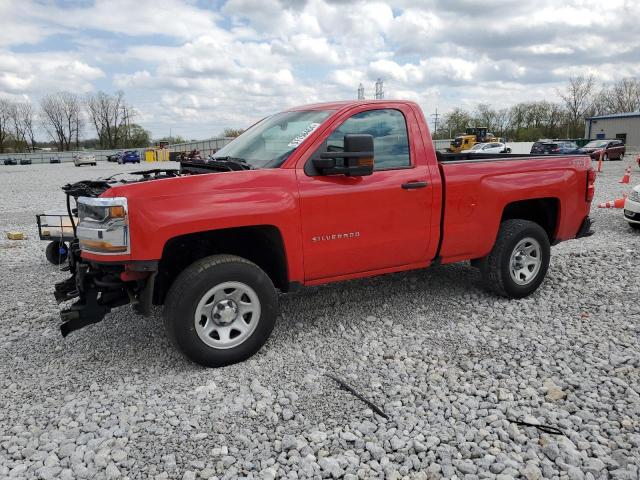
x=108, y=114
x=578, y=99
x=19, y=133
x=485, y=116
x=27, y=115
x=456, y=121
x=5, y=123
x=622, y=97
x=502, y=121
x=62, y=118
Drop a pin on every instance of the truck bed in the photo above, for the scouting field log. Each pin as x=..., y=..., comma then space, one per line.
x=444, y=157
x=478, y=189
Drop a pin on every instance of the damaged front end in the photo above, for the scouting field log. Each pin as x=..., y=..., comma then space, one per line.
x=98, y=288
x=102, y=229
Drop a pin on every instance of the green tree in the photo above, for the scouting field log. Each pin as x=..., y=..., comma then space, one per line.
x=138, y=136
x=232, y=132
x=456, y=121
x=172, y=139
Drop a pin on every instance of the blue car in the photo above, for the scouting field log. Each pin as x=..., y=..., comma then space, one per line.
x=130, y=156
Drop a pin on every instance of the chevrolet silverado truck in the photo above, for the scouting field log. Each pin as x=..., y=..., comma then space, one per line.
x=312, y=195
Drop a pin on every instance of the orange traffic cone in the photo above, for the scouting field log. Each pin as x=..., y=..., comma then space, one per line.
x=617, y=203
x=627, y=175
x=600, y=161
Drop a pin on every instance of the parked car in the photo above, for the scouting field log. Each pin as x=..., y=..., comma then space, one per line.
x=611, y=149
x=632, y=208
x=130, y=156
x=10, y=161
x=493, y=147
x=84, y=159
x=114, y=157
x=328, y=192
x=551, y=147
x=54, y=160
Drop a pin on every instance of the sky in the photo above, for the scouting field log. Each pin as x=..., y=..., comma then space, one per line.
x=193, y=68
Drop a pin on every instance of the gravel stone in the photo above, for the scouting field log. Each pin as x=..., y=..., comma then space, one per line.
x=448, y=362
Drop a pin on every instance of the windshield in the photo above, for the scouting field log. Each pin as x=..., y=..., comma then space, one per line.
x=270, y=141
x=478, y=146
x=596, y=144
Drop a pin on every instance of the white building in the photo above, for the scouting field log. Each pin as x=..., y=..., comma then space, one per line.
x=624, y=126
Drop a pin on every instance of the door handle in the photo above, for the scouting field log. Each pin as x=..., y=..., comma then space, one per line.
x=414, y=185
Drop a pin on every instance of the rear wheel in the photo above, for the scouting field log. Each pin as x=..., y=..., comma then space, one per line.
x=221, y=310
x=519, y=260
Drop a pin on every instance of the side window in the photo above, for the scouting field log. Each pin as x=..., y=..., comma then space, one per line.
x=390, y=140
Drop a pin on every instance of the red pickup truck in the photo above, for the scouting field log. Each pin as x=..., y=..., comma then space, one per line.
x=315, y=194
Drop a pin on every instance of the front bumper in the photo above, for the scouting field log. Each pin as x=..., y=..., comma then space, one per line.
x=99, y=288
x=632, y=211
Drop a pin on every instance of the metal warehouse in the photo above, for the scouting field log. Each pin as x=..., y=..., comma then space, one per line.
x=624, y=126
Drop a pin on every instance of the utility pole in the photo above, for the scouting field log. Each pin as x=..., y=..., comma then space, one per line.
x=361, y=92
x=435, y=122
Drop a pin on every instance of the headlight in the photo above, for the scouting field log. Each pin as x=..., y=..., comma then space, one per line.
x=634, y=196
x=103, y=225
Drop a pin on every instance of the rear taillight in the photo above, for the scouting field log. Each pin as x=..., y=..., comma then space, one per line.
x=591, y=184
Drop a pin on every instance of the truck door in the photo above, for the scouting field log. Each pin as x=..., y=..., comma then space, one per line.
x=359, y=224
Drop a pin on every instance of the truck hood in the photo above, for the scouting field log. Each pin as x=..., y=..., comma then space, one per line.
x=193, y=185
x=124, y=184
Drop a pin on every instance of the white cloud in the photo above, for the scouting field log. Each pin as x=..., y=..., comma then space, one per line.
x=198, y=69
x=37, y=73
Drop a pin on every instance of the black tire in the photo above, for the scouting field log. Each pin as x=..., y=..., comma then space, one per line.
x=605, y=158
x=191, y=286
x=635, y=226
x=54, y=254
x=496, y=267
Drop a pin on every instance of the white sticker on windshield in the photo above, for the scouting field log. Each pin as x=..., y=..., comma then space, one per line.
x=297, y=140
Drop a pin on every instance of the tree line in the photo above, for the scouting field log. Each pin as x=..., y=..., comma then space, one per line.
x=64, y=116
x=529, y=121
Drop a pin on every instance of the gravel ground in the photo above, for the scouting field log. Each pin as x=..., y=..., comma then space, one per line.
x=449, y=363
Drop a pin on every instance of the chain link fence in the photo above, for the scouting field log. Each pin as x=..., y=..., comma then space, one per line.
x=206, y=147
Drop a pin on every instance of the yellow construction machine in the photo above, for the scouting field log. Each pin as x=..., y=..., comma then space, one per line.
x=472, y=135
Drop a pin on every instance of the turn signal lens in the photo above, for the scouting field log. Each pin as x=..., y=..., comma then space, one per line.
x=365, y=162
x=117, y=212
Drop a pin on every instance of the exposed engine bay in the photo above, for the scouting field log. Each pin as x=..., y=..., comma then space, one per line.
x=95, y=188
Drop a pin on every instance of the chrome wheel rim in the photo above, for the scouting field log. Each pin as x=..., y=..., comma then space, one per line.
x=526, y=260
x=227, y=315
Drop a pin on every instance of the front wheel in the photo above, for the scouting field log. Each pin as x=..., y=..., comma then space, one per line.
x=221, y=310
x=635, y=226
x=518, y=262
x=605, y=158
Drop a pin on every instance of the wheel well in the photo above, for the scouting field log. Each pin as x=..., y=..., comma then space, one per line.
x=262, y=245
x=543, y=211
